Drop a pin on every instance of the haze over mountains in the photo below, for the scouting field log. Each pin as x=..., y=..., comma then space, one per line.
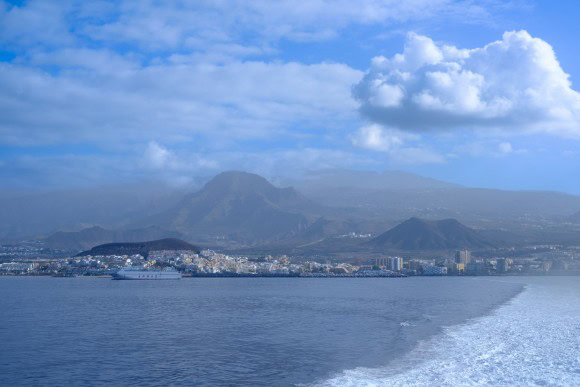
x=244, y=209
x=404, y=193
x=36, y=214
x=93, y=236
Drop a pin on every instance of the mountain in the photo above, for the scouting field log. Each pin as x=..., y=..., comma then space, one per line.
x=237, y=209
x=240, y=206
x=421, y=234
x=92, y=236
x=143, y=248
x=397, y=195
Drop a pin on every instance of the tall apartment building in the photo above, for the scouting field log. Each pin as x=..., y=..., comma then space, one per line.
x=463, y=256
x=395, y=263
x=390, y=263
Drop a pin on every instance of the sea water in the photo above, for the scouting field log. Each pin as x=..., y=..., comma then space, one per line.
x=289, y=331
x=533, y=339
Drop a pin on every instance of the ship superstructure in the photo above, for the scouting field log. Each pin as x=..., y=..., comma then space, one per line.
x=139, y=273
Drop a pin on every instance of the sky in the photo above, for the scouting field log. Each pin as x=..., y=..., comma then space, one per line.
x=481, y=93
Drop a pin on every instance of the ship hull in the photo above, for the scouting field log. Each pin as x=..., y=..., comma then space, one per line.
x=146, y=275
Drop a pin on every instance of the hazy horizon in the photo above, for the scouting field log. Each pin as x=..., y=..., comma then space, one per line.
x=195, y=182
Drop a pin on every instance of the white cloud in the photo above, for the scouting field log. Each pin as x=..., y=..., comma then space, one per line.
x=515, y=84
x=119, y=77
x=377, y=138
x=156, y=155
x=392, y=142
x=98, y=61
x=174, y=25
x=170, y=102
x=35, y=22
x=175, y=166
x=489, y=149
x=505, y=147
x=416, y=155
x=386, y=95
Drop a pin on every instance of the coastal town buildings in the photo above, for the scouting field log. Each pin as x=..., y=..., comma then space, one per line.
x=532, y=261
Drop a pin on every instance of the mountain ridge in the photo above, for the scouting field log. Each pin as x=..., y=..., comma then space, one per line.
x=238, y=208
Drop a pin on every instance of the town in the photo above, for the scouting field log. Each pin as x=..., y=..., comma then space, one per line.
x=535, y=260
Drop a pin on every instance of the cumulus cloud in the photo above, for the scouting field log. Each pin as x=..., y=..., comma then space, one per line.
x=377, y=138
x=515, y=84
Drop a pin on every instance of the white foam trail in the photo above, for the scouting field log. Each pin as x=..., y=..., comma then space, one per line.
x=532, y=340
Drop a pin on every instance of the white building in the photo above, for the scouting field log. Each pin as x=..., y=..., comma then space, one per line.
x=434, y=270
x=390, y=263
x=395, y=263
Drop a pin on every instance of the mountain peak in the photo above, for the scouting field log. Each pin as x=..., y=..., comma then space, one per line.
x=238, y=181
x=237, y=184
x=241, y=206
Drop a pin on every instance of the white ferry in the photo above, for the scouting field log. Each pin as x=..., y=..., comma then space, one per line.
x=139, y=273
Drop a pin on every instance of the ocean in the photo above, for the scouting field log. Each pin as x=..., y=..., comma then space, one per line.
x=290, y=331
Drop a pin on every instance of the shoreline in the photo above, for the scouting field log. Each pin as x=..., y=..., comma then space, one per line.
x=235, y=275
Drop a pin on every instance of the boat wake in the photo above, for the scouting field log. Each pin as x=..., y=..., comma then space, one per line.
x=534, y=339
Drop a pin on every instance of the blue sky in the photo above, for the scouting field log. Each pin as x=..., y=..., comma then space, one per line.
x=478, y=93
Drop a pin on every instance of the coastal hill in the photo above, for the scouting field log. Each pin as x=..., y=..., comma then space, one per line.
x=239, y=206
x=143, y=248
x=92, y=236
x=421, y=234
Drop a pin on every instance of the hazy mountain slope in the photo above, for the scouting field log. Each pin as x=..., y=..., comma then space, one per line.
x=240, y=206
x=396, y=195
x=421, y=234
x=368, y=180
x=43, y=213
x=574, y=218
